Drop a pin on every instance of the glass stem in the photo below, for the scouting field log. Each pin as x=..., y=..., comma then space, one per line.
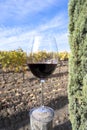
x=42, y=95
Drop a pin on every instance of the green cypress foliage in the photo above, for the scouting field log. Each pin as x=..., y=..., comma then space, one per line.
x=77, y=88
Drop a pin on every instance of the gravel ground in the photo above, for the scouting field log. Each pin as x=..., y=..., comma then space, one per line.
x=18, y=96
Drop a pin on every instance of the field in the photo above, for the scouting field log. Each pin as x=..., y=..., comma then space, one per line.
x=19, y=93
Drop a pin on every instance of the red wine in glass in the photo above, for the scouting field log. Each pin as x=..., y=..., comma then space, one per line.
x=42, y=70
x=42, y=59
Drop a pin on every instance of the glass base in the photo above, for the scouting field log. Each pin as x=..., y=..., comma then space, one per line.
x=41, y=118
x=42, y=113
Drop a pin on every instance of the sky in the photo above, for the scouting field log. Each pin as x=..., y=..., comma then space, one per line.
x=20, y=20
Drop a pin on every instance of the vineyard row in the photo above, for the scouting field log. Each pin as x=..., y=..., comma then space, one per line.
x=16, y=60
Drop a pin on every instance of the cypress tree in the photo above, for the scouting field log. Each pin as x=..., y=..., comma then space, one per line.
x=77, y=88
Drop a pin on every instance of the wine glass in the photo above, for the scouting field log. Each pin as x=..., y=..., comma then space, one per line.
x=42, y=59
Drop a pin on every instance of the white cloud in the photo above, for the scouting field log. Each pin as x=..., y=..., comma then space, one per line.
x=12, y=38
x=57, y=22
x=19, y=9
x=24, y=41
